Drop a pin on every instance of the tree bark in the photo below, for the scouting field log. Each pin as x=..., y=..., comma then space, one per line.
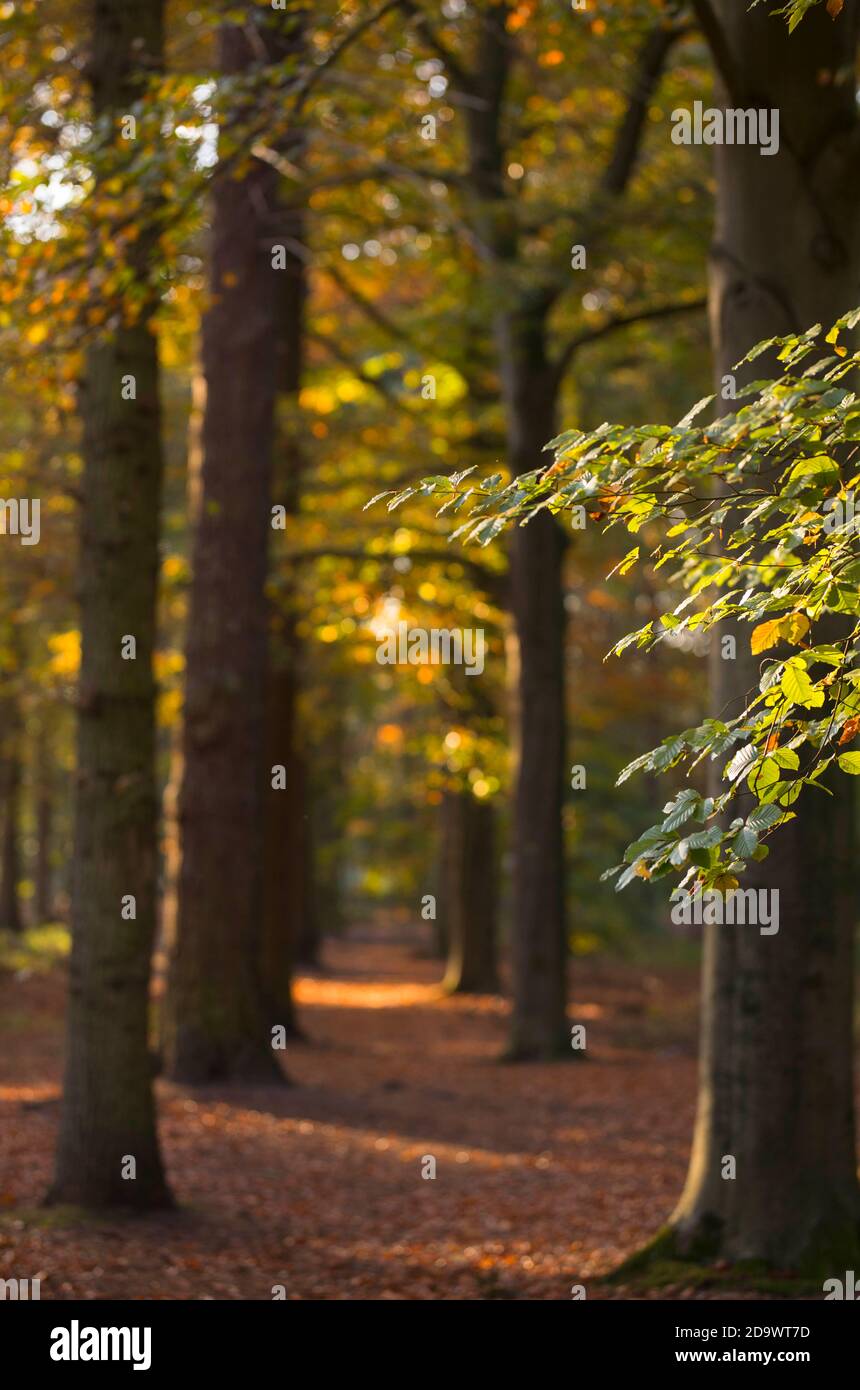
x=108, y=1112
x=468, y=900
x=217, y=1017
x=776, y=1056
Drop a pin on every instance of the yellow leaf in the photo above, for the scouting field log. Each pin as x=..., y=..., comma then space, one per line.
x=795, y=627
x=764, y=636
x=66, y=652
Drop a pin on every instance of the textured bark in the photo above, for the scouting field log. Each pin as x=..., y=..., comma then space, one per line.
x=217, y=1024
x=468, y=900
x=107, y=1107
x=776, y=1073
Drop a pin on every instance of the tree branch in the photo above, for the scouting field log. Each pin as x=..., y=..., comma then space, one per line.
x=335, y=52
x=720, y=52
x=375, y=383
x=649, y=69
x=431, y=38
x=613, y=325
x=493, y=581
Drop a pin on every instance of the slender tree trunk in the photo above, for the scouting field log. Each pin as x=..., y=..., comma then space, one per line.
x=284, y=854
x=325, y=911
x=10, y=853
x=108, y=1113
x=217, y=1019
x=286, y=896
x=538, y=937
x=44, y=829
x=530, y=387
x=468, y=901
x=439, y=936
x=171, y=836
x=310, y=935
x=776, y=1059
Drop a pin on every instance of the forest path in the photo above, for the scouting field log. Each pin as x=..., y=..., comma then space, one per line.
x=546, y=1175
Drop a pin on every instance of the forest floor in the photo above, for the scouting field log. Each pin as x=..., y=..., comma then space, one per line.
x=546, y=1175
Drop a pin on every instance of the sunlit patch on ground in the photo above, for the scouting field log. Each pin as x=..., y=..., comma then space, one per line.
x=352, y=994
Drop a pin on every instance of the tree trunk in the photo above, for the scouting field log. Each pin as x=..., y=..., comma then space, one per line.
x=538, y=936
x=108, y=1113
x=217, y=1019
x=284, y=854
x=10, y=855
x=286, y=895
x=530, y=388
x=439, y=936
x=776, y=1058
x=324, y=844
x=468, y=900
x=44, y=829
x=310, y=938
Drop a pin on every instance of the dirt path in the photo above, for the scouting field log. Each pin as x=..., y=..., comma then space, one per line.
x=545, y=1175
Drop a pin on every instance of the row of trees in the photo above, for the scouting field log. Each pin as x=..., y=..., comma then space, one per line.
x=776, y=1087
x=545, y=286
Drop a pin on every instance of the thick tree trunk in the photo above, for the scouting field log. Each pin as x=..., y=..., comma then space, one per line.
x=468, y=899
x=108, y=1114
x=217, y=1024
x=776, y=1060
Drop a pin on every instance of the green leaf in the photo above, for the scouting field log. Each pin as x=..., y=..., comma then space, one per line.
x=797, y=686
x=850, y=763
x=818, y=467
x=763, y=817
x=745, y=843
x=763, y=777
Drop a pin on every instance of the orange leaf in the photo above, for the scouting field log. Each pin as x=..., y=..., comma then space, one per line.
x=764, y=636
